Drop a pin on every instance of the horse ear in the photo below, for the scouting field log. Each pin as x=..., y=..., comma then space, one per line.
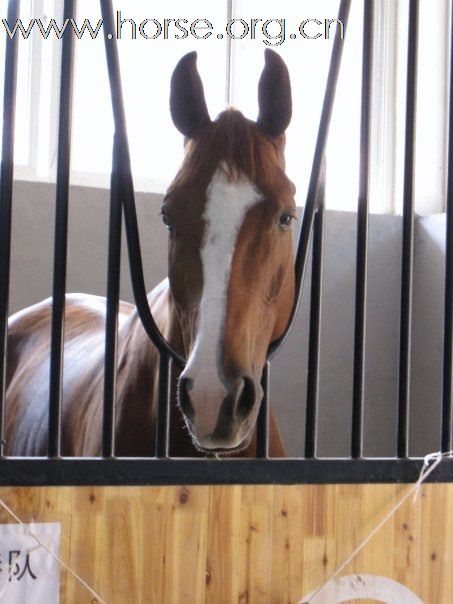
x=187, y=103
x=274, y=95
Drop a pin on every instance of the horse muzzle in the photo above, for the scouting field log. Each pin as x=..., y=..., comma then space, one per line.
x=222, y=421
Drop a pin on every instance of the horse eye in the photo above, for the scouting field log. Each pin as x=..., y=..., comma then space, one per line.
x=286, y=219
x=166, y=220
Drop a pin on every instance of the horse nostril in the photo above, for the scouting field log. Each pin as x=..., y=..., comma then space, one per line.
x=247, y=397
x=185, y=384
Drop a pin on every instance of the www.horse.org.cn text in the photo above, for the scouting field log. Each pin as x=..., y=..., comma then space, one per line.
x=271, y=32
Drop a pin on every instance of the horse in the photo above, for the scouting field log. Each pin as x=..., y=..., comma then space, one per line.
x=228, y=295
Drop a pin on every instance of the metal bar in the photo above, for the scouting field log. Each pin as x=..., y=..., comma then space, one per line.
x=138, y=281
x=162, y=437
x=229, y=58
x=262, y=425
x=127, y=187
x=408, y=235
x=446, y=431
x=61, y=236
x=362, y=235
x=142, y=471
x=111, y=323
x=129, y=202
x=6, y=196
x=315, y=323
x=321, y=142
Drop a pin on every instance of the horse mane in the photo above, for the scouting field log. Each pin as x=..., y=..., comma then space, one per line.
x=237, y=144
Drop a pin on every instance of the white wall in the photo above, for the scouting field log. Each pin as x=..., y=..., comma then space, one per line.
x=32, y=247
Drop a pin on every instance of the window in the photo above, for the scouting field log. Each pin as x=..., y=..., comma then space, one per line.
x=389, y=106
x=230, y=70
x=156, y=146
x=24, y=92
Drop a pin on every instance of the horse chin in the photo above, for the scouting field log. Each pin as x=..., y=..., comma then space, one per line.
x=247, y=430
x=225, y=451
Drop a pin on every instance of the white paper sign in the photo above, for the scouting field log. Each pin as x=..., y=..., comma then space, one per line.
x=28, y=574
x=361, y=587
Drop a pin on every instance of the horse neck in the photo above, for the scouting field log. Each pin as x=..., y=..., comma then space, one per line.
x=137, y=377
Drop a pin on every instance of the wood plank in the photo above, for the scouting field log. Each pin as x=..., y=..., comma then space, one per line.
x=224, y=554
x=241, y=544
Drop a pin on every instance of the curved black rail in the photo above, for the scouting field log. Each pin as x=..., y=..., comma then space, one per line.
x=121, y=151
x=128, y=198
x=316, y=170
x=121, y=172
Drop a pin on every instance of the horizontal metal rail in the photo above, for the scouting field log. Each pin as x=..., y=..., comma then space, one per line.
x=134, y=471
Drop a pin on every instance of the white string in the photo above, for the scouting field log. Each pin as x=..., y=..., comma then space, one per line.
x=51, y=553
x=425, y=472
x=427, y=459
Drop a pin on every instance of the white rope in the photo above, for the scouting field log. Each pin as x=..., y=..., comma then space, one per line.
x=425, y=472
x=51, y=553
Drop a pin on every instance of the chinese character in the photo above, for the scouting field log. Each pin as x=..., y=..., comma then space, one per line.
x=17, y=572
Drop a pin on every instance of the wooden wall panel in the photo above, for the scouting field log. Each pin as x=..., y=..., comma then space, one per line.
x=256, y=544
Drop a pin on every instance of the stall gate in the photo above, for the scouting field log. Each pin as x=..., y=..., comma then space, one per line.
x=215, y=539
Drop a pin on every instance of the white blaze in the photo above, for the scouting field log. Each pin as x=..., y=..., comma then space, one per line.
x=226, y=205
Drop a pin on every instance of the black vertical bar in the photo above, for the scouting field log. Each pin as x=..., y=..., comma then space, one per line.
x=111, y=322
x=229, y=56
x=6, y=196
x=446, y=435
x=362, y=235
x=315, y=323
x=262, y=430
x=61, y=236
x=408, y=235
x=162, y=406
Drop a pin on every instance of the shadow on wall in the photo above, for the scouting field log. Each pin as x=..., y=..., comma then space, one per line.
x=32, y=261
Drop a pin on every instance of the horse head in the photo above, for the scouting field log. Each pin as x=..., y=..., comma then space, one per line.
x=231, y=267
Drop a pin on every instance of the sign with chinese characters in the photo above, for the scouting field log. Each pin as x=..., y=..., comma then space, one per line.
x=28, y=573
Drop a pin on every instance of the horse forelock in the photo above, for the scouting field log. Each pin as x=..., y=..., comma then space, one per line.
x=237, y=145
